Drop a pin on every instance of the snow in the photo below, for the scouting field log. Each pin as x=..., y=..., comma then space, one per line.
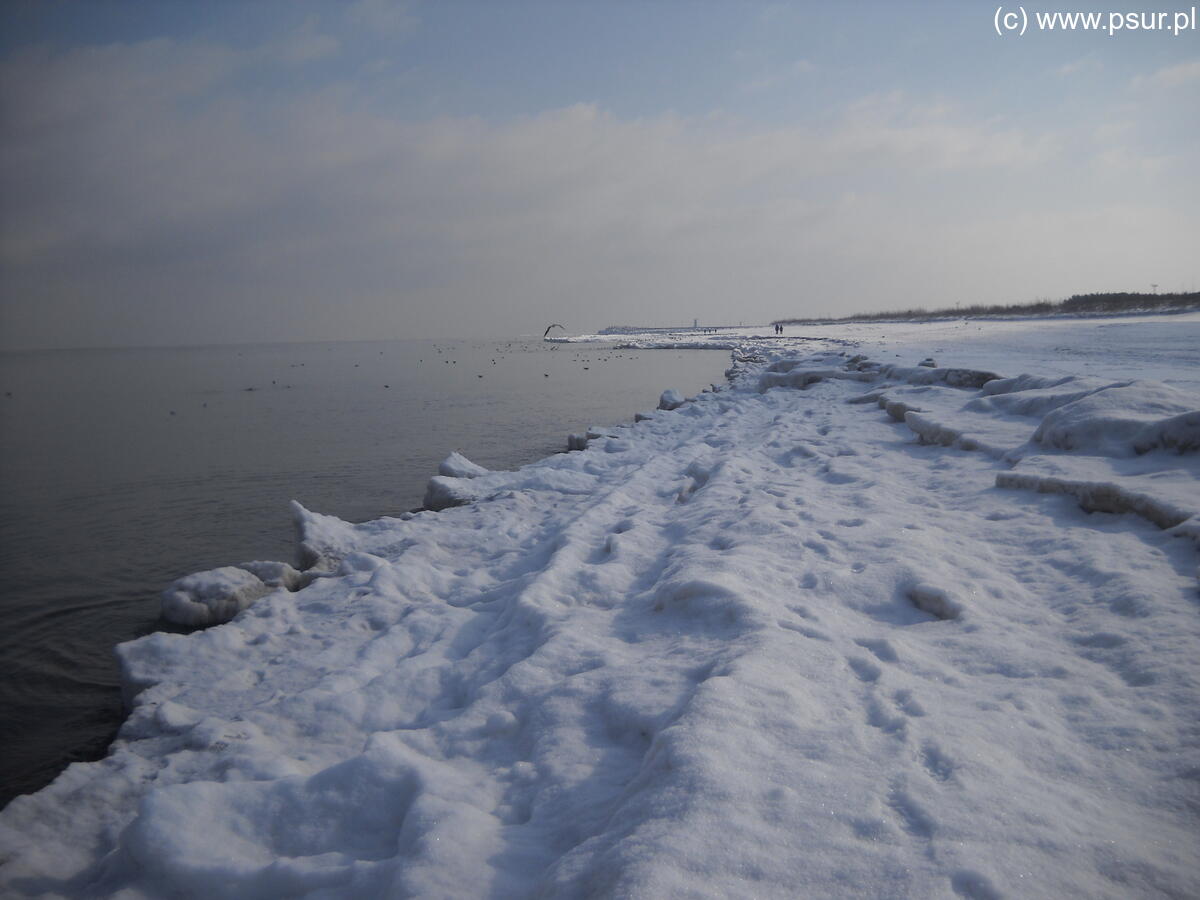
x=1124, y=420
x=844, y=627
x=208, y=598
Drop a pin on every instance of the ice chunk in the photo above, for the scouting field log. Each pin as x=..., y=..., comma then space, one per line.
x=212, y=597
x=442, y=492
x=275, y=574
x=670, y=399
x=458, y=466
x=322, y=539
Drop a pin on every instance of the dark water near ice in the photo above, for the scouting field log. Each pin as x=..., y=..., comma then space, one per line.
x=121, y=470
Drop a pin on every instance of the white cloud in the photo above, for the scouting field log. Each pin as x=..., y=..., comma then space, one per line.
x=1086, y=64
x=1171, y=76
x=909, y=135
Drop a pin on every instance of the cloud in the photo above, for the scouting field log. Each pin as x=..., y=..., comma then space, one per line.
x=1086, y=64
x=44, y=88
x=302, y=46
x=150, y=199
x=1171, y=76
x=892, y=130
x=779, y=76
x=389, y=17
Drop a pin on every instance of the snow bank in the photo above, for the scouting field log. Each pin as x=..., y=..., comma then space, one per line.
x=1124, y=419
x=793, y=377
x=1101, y=496
x=1069, y=435
x=774, y=643
x=933, y=431
x=954, y=377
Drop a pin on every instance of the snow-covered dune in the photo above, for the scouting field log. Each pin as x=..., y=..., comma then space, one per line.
x=850, y=626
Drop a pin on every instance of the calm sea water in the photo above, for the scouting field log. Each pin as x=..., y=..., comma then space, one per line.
x=121, y=470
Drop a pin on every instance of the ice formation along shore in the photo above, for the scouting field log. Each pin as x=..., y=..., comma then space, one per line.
x=840, y=628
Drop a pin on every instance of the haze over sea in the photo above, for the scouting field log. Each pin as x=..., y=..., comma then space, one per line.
x=123, y=469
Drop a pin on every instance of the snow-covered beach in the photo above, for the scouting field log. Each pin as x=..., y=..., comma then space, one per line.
x=848, y=625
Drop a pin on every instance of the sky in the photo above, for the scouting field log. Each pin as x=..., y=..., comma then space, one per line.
x=194, y=173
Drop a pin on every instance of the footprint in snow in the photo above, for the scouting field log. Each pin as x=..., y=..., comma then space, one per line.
x=908, y=704
x=803, y=630
x=938, y=602
x=973, y=886
x=882, y=649
x=1105, y=647
x=839, y=477
x=866, y=670
x=607, y=550
x=1102, y=639
x=878, y=716
x=913, y=817
x=936, y=763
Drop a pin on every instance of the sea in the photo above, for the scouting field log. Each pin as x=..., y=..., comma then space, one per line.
x=123, y=469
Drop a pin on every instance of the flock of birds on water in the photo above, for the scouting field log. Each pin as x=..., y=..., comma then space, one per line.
x=525, y=347
x=509, y=348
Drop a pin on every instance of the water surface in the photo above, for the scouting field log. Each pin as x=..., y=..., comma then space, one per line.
x=121, y=470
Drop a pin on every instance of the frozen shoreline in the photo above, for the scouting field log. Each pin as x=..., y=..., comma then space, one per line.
x=804, y=609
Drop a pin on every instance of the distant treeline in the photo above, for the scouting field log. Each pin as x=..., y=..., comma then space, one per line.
x=1077, y=305
x=660, y=329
